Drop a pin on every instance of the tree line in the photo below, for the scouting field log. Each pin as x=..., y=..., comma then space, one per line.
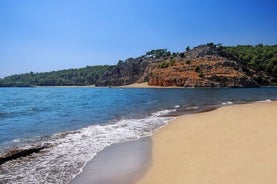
x=260, y=57
x=70, y=77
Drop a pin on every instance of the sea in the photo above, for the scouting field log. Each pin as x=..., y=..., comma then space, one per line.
x=73, y=125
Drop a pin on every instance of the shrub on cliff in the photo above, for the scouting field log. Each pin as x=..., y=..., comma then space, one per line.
x=164, y=64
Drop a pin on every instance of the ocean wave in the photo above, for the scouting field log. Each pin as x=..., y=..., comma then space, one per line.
x=16, y=113
x=152, y=102
x=17, y=140
x=70, y=151
x=227, y=103
x=267, y=100
x=192, y=108
x=163, y=112
x=28, y=140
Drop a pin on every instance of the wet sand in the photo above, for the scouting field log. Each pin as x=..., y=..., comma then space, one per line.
x=233, y=144
x=123, y=163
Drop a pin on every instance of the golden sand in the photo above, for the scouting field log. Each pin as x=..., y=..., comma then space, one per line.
x=231, y=145
x=146, y=85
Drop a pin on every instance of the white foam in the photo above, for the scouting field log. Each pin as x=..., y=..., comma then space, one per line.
x=16, y=140
x=163, y=112
x=25, y=140
x=227, y=103
x=71, y=151
x=267, y=100
x=152, y=102
x=176, y=106
x=192, y=108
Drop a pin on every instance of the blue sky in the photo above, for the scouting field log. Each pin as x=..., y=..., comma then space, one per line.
x=46, y=35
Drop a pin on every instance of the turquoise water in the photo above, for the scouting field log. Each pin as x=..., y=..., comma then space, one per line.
x=80, y=122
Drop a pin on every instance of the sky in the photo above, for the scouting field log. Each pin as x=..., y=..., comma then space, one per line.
x=47, y=35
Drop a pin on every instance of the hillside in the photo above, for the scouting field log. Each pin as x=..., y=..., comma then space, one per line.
x=207, y=65
x=204, y=66
x=71, y=77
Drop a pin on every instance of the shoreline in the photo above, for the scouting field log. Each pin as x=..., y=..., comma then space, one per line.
x=134, y=85
x=146, y=85
x=87, y=86
x=120, y=163
x=232, y=144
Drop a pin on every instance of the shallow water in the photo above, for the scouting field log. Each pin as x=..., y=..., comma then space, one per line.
x=123, y=163
x=77, y=123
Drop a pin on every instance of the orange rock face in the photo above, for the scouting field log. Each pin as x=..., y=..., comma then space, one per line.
x=213, y=71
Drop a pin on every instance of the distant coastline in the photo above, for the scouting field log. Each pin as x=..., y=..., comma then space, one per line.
x=86, y=86
x=210, y=65
x=134, y=85
x=145, y=85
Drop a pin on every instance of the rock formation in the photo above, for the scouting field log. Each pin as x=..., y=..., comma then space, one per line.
x=203, y=66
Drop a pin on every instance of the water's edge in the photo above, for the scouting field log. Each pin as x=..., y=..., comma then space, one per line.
x=130, y=149
x=117, y=154
x=120, y=163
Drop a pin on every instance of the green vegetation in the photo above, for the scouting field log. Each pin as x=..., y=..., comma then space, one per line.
x=210, y=44
x=188, y=61
x=171, y=62
x=174, y=54
x=166, y=64
x=201, y=74
x=187, y=48
x=197, y=69
x=159, y=53
x=260, y=57
x=182, y=55
x=79, y=77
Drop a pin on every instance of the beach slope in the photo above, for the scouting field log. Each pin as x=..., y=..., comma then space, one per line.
x=233, y=144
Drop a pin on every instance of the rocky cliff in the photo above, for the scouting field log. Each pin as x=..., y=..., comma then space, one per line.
x=124, y=73
x=204, y=66
x=128, y=72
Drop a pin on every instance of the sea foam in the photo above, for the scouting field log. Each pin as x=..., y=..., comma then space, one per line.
x=70, y=151
x=227, y=103
x=267, y=100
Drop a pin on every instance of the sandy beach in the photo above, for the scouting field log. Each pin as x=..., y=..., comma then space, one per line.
x=146, y=85
x=233, y=144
